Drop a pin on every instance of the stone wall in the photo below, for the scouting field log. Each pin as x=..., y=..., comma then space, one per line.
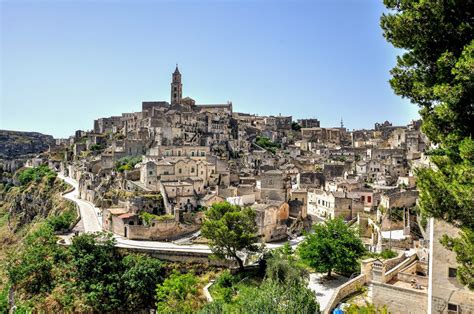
x=343, y=291
x=398, y=299
x=160, y=230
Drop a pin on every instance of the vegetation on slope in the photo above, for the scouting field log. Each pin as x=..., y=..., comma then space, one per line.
x=283, y=289
x=266, y=143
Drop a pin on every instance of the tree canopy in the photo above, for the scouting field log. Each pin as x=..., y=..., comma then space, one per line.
x=88, y=276
x=230, y=229
x=332, y=246
x=436, y=72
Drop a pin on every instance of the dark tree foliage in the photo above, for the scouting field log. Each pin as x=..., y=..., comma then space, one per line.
x=436, y=72
x=139, y=279
x=96, y=269
x=30, y=269
x=230, y=229
x=87, y=276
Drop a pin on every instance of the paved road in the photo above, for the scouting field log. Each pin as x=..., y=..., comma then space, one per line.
x=93, y=223
x=89, y=214
x=91, y=219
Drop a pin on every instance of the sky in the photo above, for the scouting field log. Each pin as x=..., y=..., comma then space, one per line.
x=66, y=63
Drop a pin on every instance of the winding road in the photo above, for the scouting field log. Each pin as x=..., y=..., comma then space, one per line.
x=91, y=219
x=92, y=222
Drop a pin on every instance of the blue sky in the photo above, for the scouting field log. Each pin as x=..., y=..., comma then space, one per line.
x=65, y=63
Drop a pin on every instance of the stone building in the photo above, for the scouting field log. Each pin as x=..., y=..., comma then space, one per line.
x=336, y=204
x=110, y=124
x=275, y=185
x=271, y=220
x=177, y=168
x=447, y=294
x=299, y=204
x=309, y=123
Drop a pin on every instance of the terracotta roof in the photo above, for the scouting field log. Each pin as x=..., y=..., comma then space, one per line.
x=118, y=211
x=127, y=215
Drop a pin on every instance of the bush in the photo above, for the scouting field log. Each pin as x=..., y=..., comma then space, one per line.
x=36, y=174
x=127, y=163
x=266, y=143
x=96, y=147
x=387, y=254
x=63, y=221
x=178, y=294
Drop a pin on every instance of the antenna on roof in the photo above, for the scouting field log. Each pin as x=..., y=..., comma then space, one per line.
x=342, y=123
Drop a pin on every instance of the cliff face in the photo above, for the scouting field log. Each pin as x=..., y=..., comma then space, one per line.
x=23, y=204
x=15, y=144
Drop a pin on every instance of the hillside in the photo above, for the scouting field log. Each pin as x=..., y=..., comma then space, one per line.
x=15, y=144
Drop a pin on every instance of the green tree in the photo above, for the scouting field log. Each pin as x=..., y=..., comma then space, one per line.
x=140, y=276
x=295, y=126
x=36, y=174
x=177, y=294
x=96, y=269
x=332, y=246
x=436, y=72
x=230, y=229
x=31, y=268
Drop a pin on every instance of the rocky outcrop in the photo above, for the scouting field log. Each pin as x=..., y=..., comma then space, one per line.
x=36, y=200
x=16, y=144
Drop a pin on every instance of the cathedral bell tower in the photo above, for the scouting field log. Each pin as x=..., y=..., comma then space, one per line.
x=176, y=87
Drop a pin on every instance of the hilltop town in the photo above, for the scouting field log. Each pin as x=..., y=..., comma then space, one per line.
x=151, y=175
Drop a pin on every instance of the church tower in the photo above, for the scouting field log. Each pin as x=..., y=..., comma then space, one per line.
x=176, y=87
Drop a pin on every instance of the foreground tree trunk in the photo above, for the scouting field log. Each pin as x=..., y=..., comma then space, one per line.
x=329, y=273
x=240, y=262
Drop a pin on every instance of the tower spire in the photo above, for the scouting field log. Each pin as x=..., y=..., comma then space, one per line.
x=176, y=87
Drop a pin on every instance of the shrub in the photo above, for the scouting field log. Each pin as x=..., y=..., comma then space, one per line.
x=127, y=163
x=36, y=174
x=63, y=221
x=387, y=254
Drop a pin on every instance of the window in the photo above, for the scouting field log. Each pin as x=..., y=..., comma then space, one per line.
x=452, y=308
x=180, y=171
x=203, y=153
x=192, y=169
x=369, y=199
x=452, y=272
x=362, y=198
x=192, y=154
x=150, y=173
x=149, y=182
